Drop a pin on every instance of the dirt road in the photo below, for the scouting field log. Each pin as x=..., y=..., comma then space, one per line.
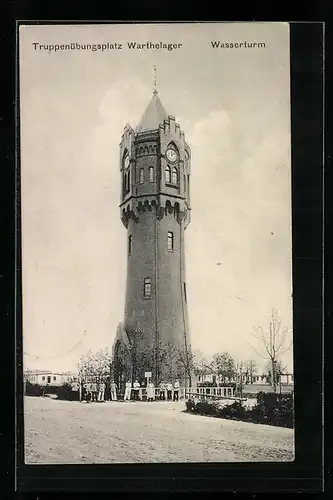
x=117, y=432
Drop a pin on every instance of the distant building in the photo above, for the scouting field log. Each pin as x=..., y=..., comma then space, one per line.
x=286, y=379
x=47, y=377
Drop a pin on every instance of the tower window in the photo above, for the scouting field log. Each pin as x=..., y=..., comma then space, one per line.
x=167, y=174
x=174, y=176
x=147, y=288
x=151, y=174
x=130, y=245
x=185, y=295
x=170, y=241
x=127, y=181
x=141, y=176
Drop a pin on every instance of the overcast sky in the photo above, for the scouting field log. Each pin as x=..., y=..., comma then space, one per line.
x=232, y=104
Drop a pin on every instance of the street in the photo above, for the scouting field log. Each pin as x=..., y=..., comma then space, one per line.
x=136, y=432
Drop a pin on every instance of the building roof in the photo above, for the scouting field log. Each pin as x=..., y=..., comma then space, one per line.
x=153, y=116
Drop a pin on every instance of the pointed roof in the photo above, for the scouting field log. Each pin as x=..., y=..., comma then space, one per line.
x=154, y=115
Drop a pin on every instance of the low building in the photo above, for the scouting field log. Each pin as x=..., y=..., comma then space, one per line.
x=47, y=377
x=263, y=379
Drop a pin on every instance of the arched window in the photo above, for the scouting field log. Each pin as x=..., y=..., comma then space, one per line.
x=147, y=288
x=167, y=174
x=174, y=176
x=170, y=241
x=130, y=244
x=151, y=174
x=141, y=176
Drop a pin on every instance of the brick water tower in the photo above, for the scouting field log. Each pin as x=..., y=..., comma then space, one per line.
x=155, y=168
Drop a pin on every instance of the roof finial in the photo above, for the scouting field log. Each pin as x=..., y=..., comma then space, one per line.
x=155, y=91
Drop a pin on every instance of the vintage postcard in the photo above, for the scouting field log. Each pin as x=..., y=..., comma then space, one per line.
x=155, y=164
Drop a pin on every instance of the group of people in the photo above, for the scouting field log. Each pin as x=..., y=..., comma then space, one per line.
x=99, y=391
x=166, y=391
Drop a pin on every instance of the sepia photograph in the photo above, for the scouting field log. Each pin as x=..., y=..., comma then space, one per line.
x=156, y=229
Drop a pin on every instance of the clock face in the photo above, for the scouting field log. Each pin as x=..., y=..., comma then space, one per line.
x=126, y=161
x=171, y=155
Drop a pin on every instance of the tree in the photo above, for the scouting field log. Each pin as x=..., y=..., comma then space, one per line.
x=274, y=343
x=186, y=363
x=169, y=362
x=224, y=366
x=250, y=370
x=95, y=364
x=239, y=372
x=202, y=365
x=133, y=361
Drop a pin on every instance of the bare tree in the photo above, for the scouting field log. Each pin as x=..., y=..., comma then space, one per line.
x=202, y=364
x=274, y=341
x=250, y=370
x=186, y=364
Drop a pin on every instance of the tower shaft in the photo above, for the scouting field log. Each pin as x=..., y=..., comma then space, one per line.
x=155, y=209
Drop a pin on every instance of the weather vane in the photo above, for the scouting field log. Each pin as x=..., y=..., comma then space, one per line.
x=155, y=91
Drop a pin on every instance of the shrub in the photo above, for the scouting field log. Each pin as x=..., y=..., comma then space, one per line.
x=274, y=409
x=206, y=408
x=234, y=411
x=271, y=409
x=190, y=404
x=33, y=389
x=65, y=392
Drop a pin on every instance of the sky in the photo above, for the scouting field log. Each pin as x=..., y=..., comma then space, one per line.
x=234, y=108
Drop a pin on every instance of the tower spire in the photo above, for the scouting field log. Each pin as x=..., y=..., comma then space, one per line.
x=155, y=90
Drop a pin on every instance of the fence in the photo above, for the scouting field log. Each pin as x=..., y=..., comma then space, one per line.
x=217, y=391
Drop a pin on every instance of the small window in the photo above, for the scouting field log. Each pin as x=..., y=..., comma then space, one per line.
x=174, y=176
x=151, y=174
x=48, y=379
x=130, y=245
x=141, y=176
x=43, y=378
x=54, y=378
x=147, y=288
x=167, y=174
x=170, y=241
x=127, y=182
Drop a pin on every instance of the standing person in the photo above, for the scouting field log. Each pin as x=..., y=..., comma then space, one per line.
x=93, y=388
x=150, y=392
x=87, y=387
x=83, y=391
x=176, y=391
x=107, y=390
x=169, y=391
x=136, y=388
x=128, y=390
x=101, y=391
x=162, y=391
x=113, y=391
